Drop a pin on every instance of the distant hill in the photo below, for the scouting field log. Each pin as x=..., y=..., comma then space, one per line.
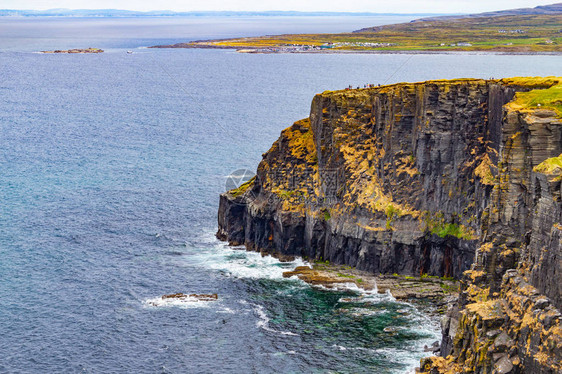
x=169, y=13
x=541, y=9
x=553, y=9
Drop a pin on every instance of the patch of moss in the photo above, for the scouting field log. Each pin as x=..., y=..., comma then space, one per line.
x=392, y=212
x=437, y=225
x=342, y=275
x=243, y=188
x=448, y=288
x=551, y=166
x=449, y=229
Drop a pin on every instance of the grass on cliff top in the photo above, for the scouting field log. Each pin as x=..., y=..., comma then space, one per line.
x=243, y=188
x=547, y=95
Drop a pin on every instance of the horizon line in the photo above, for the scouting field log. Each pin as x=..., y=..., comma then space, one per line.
x=220, y=11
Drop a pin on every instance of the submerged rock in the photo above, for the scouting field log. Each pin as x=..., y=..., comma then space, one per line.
x=390, y=329
x=192, y=297
x=173, y=299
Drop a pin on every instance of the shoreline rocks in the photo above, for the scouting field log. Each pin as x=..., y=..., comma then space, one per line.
x=400, y=287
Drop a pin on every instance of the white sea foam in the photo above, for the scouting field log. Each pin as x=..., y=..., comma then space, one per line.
x=239, y=263
x=360, y=312
x=419, y=323
x=408, y=355
x=252, y=265
x=183, y=302
x=263, y=322
x=226, y=310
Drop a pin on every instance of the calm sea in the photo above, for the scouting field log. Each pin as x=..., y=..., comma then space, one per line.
x=110, y=171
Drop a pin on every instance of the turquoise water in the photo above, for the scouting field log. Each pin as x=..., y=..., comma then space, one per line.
x=110, y=170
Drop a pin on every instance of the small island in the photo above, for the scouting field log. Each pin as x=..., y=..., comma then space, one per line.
x=76, y=50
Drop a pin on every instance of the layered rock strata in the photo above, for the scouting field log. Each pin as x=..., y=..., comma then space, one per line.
x=455, y=178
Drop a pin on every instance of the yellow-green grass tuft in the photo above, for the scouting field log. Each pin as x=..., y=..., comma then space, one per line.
x=551, y=166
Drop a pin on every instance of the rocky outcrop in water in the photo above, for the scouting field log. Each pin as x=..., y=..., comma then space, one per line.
x=454, y=179
x=87, y=50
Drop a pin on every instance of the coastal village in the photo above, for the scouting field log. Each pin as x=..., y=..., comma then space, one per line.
x=350, y=46
x=296, y=48
x=340, y=46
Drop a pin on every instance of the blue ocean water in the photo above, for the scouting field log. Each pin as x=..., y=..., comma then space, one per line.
x=110, y=171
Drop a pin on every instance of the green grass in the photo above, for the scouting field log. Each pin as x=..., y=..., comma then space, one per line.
x=450, y=288
x=243, y=188
x=436, y=224
x=550, y=98
x=341, y=275
x=449, y=229
x=550, y=166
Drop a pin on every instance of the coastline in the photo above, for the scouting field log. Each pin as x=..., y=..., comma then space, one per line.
x=258, y=50
x=406, y=52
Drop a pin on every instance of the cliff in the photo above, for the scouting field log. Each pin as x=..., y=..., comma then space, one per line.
x=455, y=178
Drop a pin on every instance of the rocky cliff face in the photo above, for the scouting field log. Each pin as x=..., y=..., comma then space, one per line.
x=450, y=178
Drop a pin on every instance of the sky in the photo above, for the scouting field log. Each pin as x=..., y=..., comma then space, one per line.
x=376, y=6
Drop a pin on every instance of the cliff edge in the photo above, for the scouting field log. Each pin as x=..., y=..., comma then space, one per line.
x=457, y=178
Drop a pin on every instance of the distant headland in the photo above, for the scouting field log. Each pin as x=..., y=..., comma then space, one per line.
x=528, y=30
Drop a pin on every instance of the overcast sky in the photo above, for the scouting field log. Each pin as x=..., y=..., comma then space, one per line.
x=379, y=6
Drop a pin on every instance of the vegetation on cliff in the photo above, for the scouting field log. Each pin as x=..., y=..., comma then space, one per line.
x=548, y=96
x=552, y=166
x=242, y=188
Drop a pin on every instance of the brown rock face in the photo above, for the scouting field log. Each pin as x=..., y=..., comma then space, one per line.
x=438, y=178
